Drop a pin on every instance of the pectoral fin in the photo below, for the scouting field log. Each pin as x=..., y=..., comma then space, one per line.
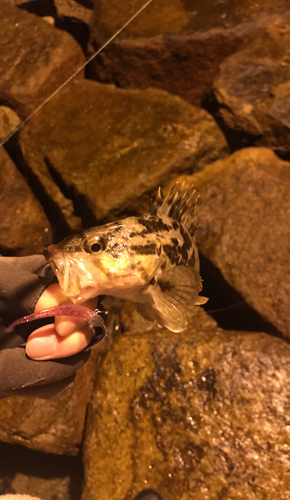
x=173, y=297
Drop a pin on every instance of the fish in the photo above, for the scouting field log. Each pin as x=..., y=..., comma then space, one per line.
x=151, y=260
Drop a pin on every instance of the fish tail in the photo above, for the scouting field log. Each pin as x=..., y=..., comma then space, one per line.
x=179, y=205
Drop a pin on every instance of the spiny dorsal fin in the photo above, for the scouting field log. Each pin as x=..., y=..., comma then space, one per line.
x=156, y=203
x=179, y=205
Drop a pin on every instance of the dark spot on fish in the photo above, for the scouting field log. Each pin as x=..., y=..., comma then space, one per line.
x=172, y=253
x=149, y=249
x=133, y=234
x=153, y=224
x=165, y=286
x=175, y=225
x=115, y=250
x=174, y=241
x=152, y=281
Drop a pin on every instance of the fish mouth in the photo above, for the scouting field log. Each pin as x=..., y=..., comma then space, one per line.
x=74, y=278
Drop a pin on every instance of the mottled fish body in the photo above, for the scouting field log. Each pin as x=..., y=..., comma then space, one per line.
x=151, y=260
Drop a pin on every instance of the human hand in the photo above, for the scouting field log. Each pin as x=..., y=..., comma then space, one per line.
x=66, y=336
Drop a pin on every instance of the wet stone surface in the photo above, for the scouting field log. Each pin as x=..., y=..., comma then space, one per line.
x=175, y=46
x=198, y=415
x=51, y=426
x=95, y=135
x=35, y=60
x=24, y=227
x=243, y=228
x=253, y=91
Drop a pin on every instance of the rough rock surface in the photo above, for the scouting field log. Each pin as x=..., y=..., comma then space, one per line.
x=198, y=416
x=36, y=59
x=42, y=475
x=243, y=228
x=109, y=149
x=9, y=121
x=176, y=46
x=24, y=227
x=52, y=426
x=73, y=9
x=253, y=89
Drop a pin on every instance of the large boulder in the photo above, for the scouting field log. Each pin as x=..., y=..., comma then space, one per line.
x=104, y=151
x=197, y=415
x=36, y=59
x=175, y=46
x=243, y=228
x=252, y=90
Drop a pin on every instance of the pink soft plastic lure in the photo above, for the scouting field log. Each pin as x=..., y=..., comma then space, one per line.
x=92, y=317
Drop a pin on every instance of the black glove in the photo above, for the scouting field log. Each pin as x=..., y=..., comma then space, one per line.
x=22, y=281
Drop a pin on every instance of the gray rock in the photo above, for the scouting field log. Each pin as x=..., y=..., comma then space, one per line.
x=175, y=46
x=36, y=59
x=199, y=416
x=253, y=89
x=106, y=150
x=243, y=228
x=24, y=227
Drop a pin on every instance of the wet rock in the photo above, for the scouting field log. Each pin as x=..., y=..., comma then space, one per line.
x=24, y=227
x=176, y=46
x=36, y=59
x=200, y=415
x=52, y=426
x=107, y=150
x=9, y=121
x=243, y=228
x=253, y=90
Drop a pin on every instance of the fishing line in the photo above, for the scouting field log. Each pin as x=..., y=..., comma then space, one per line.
x=136, y=14
x=226, y=307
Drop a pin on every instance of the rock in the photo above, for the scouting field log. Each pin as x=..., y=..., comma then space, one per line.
x=243, y=228
x=24, y=227
x=51, y=426
x=42, y=475
x=74, y=9
x=108, y=150
x=200, y=415
x=253, y=90
x=9, y=121
x=175, y=46
x=37, y=59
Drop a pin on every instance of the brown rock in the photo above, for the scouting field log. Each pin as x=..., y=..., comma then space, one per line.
x=24, y=227
x=36, y=59
x=108, y=149
x=9, y=121
x=52, y=426
x=243, y=228
x=77, y=10
x=253, y=89
x=175, y=46
x=198, y=416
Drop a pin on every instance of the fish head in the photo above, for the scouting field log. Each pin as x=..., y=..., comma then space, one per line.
x=101, y=261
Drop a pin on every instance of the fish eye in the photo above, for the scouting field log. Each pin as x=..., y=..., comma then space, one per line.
x=95, y=246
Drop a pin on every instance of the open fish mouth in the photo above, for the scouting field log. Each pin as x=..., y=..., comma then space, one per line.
x=73, y=277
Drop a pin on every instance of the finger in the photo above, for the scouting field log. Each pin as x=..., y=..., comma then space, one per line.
x=45, y=343
x=51, y=297
x=65, y=325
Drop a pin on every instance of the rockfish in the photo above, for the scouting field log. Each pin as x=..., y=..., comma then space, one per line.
x=151, y=260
